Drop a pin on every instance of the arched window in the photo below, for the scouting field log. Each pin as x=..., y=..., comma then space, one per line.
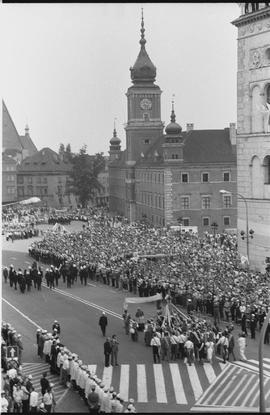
x=266, y=167
x=256, y=179
x=268, y=88
x=256, y=111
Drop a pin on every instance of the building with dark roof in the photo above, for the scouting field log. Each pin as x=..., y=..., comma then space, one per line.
x=45, y=175
x=171, y=178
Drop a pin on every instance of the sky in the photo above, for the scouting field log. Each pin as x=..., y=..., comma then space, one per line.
x=66, y=67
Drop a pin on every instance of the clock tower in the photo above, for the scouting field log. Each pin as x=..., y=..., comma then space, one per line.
x=144, y=124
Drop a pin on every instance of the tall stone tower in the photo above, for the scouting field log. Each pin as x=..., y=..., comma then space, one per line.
x=144, y=125
x=253, y=132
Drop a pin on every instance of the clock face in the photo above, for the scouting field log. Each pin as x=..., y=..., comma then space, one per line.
x=146, y=104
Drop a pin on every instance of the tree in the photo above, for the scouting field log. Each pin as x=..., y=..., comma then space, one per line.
x=83, y=179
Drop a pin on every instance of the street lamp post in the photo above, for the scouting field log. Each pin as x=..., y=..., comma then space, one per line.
x=249, y=233
x=261, y=343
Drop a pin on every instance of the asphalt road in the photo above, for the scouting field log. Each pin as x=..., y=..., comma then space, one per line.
x=78, y=310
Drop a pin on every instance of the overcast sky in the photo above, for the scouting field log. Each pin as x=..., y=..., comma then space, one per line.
x=66, y=67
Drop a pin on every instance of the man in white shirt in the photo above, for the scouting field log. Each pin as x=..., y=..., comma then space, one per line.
x=33, y=400
x=155, y=343
x=4, y=402
x=189, y=346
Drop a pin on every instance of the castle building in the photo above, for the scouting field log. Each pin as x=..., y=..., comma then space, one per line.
x=45, y=175
x=171, y=178
x=253, y=132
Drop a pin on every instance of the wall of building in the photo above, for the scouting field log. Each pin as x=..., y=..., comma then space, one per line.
x=9, y=182
x=253, y=135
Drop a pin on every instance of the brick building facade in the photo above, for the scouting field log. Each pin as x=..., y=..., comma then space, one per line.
x=253, y=130
x=177, y=176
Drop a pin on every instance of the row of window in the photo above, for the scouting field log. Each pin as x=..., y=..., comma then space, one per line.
x=153, y=200
x=154, y=177
x=206, y=202
x=9, y=168
x=11, y=190
x=40, y=191
x=206, y=221
x=36, y=179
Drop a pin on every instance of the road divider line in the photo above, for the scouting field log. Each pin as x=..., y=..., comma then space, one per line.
x=242, y=391
x=210, y=373
x=22, y=314
x=83, y=301
x=141, y=384
x=211, y=393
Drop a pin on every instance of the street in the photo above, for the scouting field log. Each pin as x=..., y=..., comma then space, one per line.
x=169, y=387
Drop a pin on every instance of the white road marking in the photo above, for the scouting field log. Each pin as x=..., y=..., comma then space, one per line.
x=92, y=285
x=107, y=376
x=256, y=396
x=209, y=372
x=229, y=371
x=251, y=368
x=177, y=384
x=159, y=383
x=74, y=297
x=22, y=314
x=195, y=383
x=251, y=392
x=265, y=366
x=124, y=382
x=237, y=388
x=141, y=384
x=243, y=390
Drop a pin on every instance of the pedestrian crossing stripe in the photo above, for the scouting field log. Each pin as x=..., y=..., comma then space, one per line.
x=253, y=365
x=36, y=370
x=236, y=387
x=162, y=383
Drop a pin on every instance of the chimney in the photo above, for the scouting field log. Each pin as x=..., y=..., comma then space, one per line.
x=233, y=133
x=190, y=127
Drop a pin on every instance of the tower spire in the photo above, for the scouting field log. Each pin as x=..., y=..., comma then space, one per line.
x=142, y=40
x=173, y=113
x=114, y=128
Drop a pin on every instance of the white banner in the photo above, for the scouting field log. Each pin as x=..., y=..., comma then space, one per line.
x=139, y=300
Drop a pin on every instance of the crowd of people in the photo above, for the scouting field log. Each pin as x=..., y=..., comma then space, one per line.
x=146, y=261
x=18, y=394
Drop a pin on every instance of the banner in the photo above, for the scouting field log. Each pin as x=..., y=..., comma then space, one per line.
x=139, y=300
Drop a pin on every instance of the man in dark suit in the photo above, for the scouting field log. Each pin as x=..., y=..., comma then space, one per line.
x=107, y=351
x=103, y=322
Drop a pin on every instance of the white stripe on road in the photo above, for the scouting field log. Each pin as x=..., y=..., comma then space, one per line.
x=266, y=360
x=22, y=314
x=141, y=384
x=209, y=372
x=74, y=297
x=251, y=392
x=237, y=388
x=256, y=396
x=124, y=382
x=228, y=372
x=92, y=285
x=159, y=383
x=256, y=362
x=107, y=376
x=177, y=384
x=243, y=390
x=251, y=368
x=195, y=381
x=92, y=368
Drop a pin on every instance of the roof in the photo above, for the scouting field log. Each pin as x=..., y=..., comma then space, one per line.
x=28, y=144
x=208, y=146
x=45, y=160
x=11, y=139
